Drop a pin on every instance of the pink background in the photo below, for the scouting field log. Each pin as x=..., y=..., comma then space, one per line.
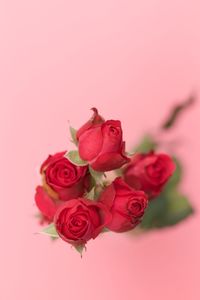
x=131, y=59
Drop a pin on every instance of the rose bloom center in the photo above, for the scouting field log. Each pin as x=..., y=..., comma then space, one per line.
x=113, y=131
x=135, y=208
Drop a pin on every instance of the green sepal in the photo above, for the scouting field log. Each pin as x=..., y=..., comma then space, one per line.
x=130, y=154
x=73, y=132
x=94, y=192
x=97, y=176
x=146, y=145
x=74, y=157
x=91, y=194
x=50, y=231
x=80, y=249
x=105, y=229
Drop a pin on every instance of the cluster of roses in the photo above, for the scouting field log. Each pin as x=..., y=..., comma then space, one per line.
x=76, y=196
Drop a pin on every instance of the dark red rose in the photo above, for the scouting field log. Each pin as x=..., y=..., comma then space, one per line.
x=62, y=179
x=79, y=220
x=45, y=204
x=126, y=205
x=149, y=172
x=101, y=144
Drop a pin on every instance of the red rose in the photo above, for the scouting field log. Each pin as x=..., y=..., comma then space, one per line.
x=101, y=144
x=94, y=120
x=149, y=172
x=46, y=204
x=126, y=205
x=63, y=180
x=79, y=220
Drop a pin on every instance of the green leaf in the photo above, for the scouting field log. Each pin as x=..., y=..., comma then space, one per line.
x=97, y=176
x=166, y=210
x=176, y=177
x=179, y=208
x=50, y=231
x=80, y=249
x=154, y=213
x=73, y=132
x=147, y=144
x=74, y=157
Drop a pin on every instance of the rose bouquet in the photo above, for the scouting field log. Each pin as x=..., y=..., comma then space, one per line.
x=100, y=187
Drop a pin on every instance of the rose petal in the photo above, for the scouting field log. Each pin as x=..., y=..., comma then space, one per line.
x=45, y=204
x=108, y=195
x=51, y=159
x=112, y=136
x=90, y=143
x=120, y=223
x=109, y=161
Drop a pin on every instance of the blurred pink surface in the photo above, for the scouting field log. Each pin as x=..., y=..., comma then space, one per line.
x=131, y=59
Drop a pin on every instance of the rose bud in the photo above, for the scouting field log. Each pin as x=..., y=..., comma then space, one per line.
x=94, y=120
x=79, y=220
x=101, y=144
x=149, y=172
x=62, y=179
x=126, y=205
x=45, y=204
